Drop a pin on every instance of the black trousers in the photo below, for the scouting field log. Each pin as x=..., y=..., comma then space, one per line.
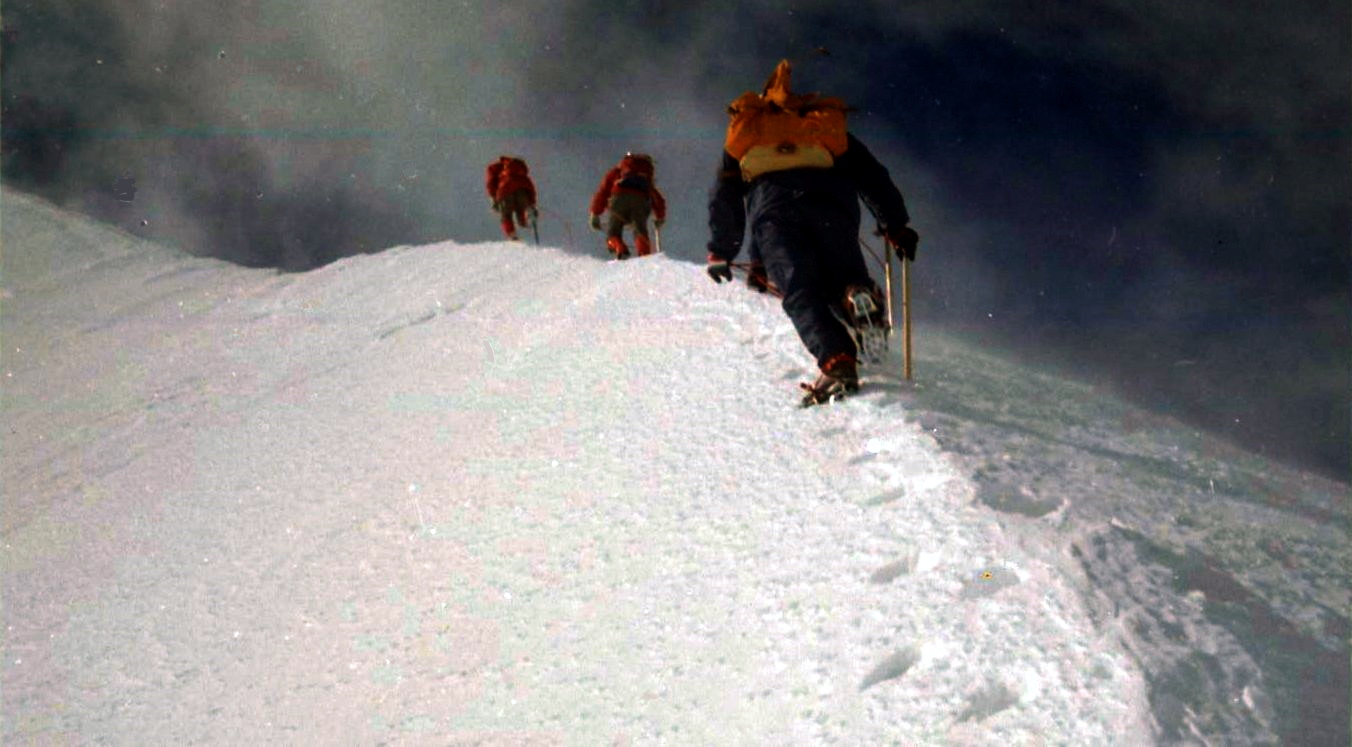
x=810, y=249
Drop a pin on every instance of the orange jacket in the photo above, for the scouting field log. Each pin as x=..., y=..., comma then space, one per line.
x=507, y=175
x=613, y=182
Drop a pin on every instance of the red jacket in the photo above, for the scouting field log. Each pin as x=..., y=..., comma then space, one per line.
x=618, y=180
x=507, y=175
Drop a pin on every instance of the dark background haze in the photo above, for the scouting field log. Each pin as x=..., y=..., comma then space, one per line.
x=1150, y=196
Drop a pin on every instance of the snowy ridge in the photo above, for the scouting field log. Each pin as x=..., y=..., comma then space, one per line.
x=500, y=494
x=395, y=497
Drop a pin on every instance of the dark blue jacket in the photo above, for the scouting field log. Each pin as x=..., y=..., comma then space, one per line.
x=856, y=175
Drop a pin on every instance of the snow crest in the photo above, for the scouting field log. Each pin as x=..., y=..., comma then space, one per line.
x=502, y=494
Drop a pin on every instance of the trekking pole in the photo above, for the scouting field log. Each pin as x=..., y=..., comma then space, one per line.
x=657, y=237
x=535, y=225
x=887, y=278
x=905, y=299
x=906, y=316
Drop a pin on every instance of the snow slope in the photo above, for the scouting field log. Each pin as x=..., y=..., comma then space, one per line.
x=499, y=494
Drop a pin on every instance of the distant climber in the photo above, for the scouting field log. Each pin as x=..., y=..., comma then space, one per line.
x=628, y=195
x=511, y=193
x=791, y=169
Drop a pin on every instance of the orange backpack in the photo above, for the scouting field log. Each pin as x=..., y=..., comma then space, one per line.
x=779, y=130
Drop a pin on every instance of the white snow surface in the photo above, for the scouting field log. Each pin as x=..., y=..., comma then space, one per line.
x=497, y=494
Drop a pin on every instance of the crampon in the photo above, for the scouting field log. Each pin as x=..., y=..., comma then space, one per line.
x=867, y=323
x=839, y=378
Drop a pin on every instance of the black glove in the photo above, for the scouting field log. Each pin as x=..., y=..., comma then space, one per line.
x=719, y=269
x=904, y=240
x=495, y=206
x=595, y=222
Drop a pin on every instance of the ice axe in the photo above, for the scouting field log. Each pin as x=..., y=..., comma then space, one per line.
x=905, y=306
x=888, y=251
x=657, y=238
x=905, y=315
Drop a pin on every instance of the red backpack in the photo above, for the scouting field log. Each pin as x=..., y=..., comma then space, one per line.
x=636, y=172
x=506, y=175
x=513, y=169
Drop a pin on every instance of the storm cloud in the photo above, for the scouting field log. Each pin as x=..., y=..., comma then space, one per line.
x=1152, y=196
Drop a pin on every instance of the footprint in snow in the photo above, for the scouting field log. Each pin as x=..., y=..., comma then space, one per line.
x=988, y=701
x=1011, y=497
x=988, y=581
x=414, y=321
x=890, y=668
x=888, y=497
x=894, y=569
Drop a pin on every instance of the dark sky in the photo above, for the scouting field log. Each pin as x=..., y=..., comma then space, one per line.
x=1151, y=196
